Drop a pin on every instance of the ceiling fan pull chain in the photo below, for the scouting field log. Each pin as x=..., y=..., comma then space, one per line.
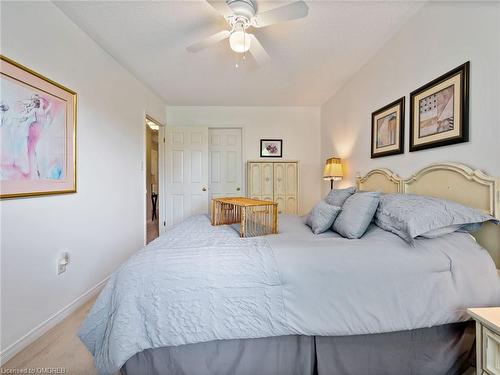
x=244, y=43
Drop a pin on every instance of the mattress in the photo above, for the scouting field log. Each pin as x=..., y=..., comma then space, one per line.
x=198, y=283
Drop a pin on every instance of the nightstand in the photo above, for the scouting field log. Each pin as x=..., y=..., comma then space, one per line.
x=487, y=339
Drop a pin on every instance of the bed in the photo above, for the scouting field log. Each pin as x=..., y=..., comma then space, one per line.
x=201, y=300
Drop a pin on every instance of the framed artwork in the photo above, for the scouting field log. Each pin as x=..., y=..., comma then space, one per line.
x=37, y=133
x=439, y=111
x=271, y=148
x=388, y=129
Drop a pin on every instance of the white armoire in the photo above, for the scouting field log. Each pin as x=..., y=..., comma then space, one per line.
x=276, y=181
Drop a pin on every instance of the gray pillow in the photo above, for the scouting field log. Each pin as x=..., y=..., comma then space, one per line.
x=411, y=215
x=357, y=214
x=337, y=197
x=322, y=217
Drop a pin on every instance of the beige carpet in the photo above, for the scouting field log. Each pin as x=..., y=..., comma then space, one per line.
x=59, y=347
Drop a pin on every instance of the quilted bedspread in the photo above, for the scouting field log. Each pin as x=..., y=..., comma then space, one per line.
x=199, y=283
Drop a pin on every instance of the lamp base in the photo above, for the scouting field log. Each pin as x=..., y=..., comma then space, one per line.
x=331, y=184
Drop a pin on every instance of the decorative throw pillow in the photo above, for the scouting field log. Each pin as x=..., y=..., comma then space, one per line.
x=337, y=197
x=357, y=214
x=411, y=215
x=322, y=217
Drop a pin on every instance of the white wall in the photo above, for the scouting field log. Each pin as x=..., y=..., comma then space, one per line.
x=297, y=126
x=442, y=36
x=103, y=223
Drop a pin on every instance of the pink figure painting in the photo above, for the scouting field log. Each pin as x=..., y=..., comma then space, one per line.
x=33, y=133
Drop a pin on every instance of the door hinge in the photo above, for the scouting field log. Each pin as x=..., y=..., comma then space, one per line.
x=163, y=139
x=164, y=223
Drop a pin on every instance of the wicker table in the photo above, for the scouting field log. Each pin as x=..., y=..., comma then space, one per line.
x=256, y=217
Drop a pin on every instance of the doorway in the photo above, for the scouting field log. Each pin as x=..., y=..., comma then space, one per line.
x=225, y=163
x=152, y=179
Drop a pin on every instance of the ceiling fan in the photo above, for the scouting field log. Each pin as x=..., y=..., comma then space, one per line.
x=241, y=15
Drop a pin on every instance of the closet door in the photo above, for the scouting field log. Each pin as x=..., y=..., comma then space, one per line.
x=280, y=186
x=224, y=163
x=186, y=173
x=267, y=181
x=254, y=189
x=291, y=188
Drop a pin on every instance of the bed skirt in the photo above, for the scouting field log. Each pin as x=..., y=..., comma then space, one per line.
x=441, y=350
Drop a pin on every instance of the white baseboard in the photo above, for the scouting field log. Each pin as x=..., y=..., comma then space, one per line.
x=43, y=327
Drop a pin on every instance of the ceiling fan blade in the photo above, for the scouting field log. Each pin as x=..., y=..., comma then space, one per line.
x=221, y=7
x=258, y=52
x=292, y=11
x=207, y=42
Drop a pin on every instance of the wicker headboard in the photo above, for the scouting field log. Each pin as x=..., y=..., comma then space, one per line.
x=452, y=181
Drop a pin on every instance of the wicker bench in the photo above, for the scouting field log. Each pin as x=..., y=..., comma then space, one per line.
x=256, y=217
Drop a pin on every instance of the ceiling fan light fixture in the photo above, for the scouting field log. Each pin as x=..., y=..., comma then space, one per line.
x=239, y=41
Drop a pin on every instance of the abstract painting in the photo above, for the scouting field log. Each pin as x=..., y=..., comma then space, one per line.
x=37, y=134
x=388, y=129
x=271, y=148
x=439, y=111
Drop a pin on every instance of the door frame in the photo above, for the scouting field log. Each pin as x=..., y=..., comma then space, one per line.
x=161, y=175
x=243, y=166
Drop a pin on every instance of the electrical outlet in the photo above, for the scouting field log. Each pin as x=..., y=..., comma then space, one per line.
x=61, y=268
x=62, y=263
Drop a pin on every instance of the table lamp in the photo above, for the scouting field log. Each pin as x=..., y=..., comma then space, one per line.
x=333, y=171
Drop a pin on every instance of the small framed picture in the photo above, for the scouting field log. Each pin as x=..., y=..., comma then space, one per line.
x=271, y=148
x=439, y=111
x=388, y=129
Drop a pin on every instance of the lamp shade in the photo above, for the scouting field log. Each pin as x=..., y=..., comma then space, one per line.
x=333, y=169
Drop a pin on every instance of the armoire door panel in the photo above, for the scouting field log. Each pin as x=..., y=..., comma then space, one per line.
x=267, y=179
x=291, y=179
x=255, y=179
x=281, y=204
x=279, y=179
x=291, y=206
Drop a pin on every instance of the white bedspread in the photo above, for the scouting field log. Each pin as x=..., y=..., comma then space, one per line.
x=200, y=283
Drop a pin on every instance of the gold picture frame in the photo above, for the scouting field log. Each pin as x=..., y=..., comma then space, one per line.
x=44, y=113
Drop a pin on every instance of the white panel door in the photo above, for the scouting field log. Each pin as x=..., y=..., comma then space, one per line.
x=224, y=163
x=186, y=173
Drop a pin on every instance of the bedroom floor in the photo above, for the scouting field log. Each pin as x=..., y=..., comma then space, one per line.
x=152, y=229
x=59, y=347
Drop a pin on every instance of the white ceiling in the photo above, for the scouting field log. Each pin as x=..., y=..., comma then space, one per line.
x=311, y=57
